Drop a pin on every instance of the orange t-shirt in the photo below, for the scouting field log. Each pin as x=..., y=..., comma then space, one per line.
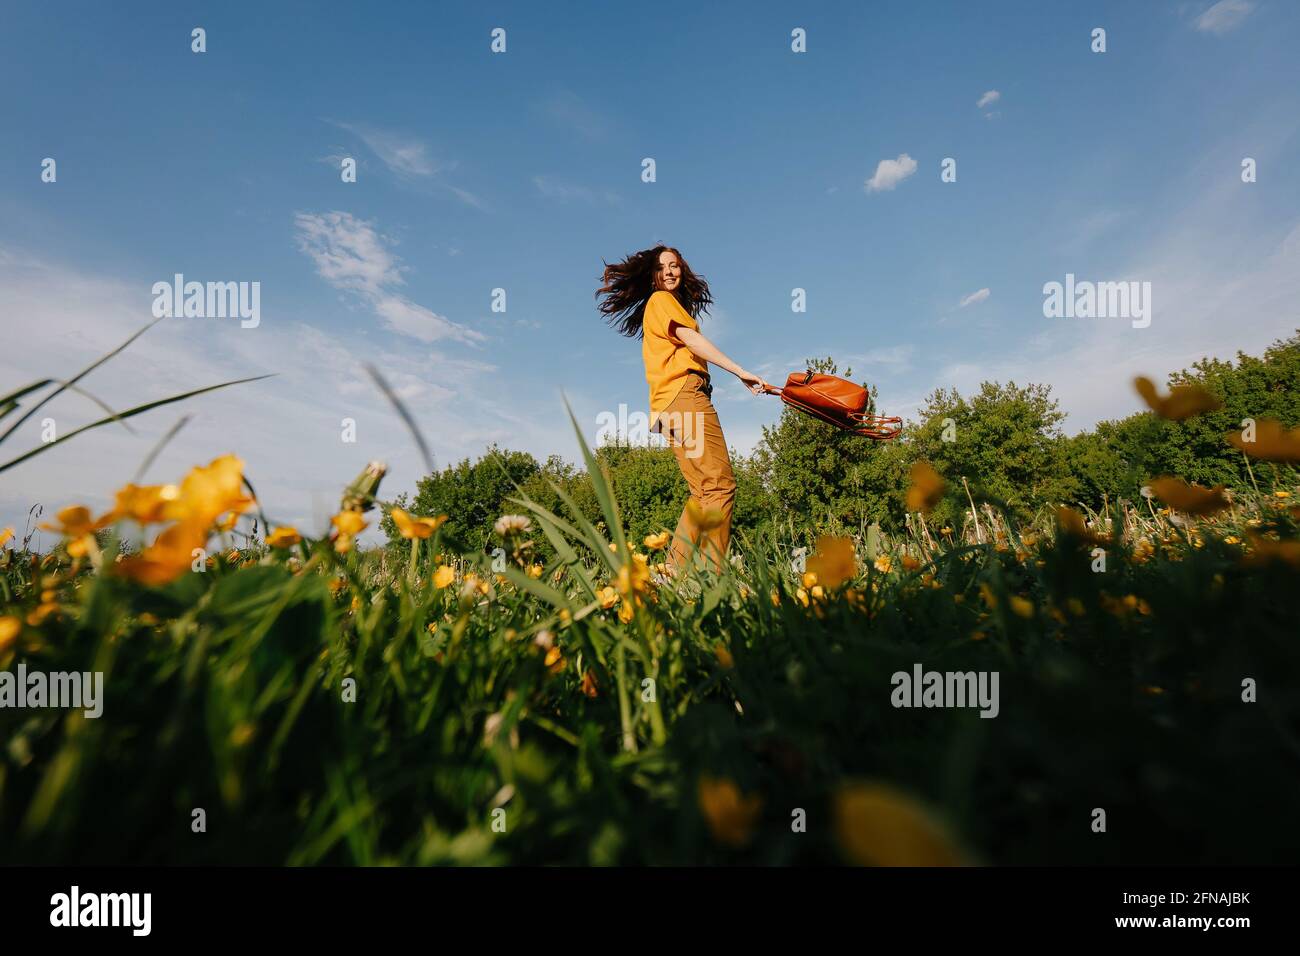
x=667, y=360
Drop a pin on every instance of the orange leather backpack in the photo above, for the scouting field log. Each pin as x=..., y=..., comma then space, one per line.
x=837, y=402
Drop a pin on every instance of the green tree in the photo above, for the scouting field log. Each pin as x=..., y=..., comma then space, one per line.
x=472, y=495
x=1005, y=440
x=814, y=474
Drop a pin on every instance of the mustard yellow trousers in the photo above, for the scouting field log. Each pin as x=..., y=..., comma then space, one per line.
x=691, y=426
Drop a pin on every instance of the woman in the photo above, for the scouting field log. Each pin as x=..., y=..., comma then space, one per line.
x=654, y=295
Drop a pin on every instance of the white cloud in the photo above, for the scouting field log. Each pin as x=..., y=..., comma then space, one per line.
x=349, y=254
x=890, y=172
x=1223, y=16
x=987, y=98
x=977, y=296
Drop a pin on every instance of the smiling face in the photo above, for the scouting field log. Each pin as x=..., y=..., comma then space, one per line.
x=668, y=274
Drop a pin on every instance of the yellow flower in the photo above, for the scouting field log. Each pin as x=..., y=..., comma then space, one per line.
x=1272, y=442
x=145, y=504
x=730, y=816
x=1183, y=401
x=534, y=570
x=883, y=564
x=1232, y=539
x=723, y=655
x=41, y=612
x=10, y=628
x=1143, y=550
x=1281, y=494
x=833, y=562
x=284, y=537
x=607, y=596
x=776, y=598
x=809, y=578
x=5, y=535
x=170, y=556
x=443, y=576
x=987, y=594
x=927, y=488
x=589, y=685
x=633, y=576
x=1020, y=606
x=1265, y=550
x=410, y=527
x=553, y=655
x=657, y=542
x=208, y=492
x=348, y=524
x=705, y=519
x=879, y=826
x=626, y=612
x=801, y=596
x=1192, y=499
x=76, y=524
x=818, y=592
x=1072, y=523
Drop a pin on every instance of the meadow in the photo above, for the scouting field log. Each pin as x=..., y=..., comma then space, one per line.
x=273, y=698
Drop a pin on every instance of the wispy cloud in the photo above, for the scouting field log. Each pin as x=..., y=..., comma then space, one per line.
x=570, y=110
x=988, y=98
x=1223, y=16
x=409, y=158
x=978, y=296
x=562, y=191
x=890, y=172
x=403, y=154
x=350, y=255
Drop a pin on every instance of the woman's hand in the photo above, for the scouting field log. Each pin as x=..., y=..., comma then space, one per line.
x=753, y=382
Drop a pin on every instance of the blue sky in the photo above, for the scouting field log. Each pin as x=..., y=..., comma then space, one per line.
x=521, y=170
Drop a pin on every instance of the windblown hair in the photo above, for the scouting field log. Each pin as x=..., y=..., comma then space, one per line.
x=629, y=284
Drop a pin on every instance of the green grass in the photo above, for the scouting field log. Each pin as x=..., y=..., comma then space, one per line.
x=1119, y=690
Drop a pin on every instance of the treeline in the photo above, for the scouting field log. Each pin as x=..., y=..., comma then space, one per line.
x=804, y=476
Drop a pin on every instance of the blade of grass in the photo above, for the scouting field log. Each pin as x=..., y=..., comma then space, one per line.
x=139, y=409
x=76, y=378
x=405, y=415
x=162, y=443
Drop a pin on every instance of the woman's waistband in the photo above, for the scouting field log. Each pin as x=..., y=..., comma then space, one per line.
x=706, y=383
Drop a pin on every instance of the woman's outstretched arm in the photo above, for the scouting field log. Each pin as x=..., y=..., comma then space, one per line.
x=703, y=348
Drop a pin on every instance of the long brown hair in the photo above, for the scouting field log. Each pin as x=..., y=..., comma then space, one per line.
x=629, y=284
